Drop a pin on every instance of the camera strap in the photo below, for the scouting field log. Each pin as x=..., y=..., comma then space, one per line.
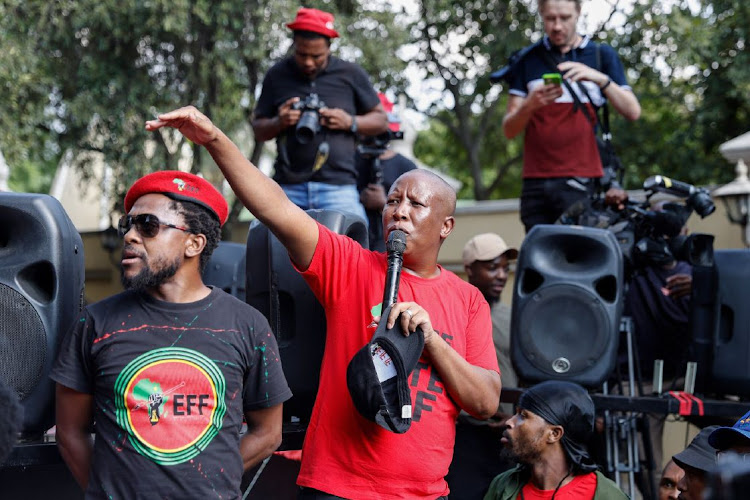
x=603, y=122
x=296, y=176
x=321, y=156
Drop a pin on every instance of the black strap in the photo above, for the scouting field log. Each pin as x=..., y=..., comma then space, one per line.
x=550, y=61
x=577, y=104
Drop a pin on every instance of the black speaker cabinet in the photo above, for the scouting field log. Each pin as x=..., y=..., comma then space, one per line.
x=226, y=268
x=41, y=293
x=296, y=317
x=567, y=302
x=731, y=353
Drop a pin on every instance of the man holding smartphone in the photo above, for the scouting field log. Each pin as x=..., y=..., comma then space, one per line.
x=561, y=158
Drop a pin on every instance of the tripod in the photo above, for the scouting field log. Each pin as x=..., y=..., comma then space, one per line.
x=621, y=429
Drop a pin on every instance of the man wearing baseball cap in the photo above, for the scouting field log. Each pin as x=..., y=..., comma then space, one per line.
x=697, y=460
x=476, y=456
x=168, y=368
x=316, y=169
x=732, y=439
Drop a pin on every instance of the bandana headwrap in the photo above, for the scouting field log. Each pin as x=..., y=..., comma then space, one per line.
x=568, y=405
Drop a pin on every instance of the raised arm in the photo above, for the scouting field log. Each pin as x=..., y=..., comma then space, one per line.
x=297, y=231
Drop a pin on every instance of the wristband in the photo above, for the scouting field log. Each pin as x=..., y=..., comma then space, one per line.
x=603, y=87
x=353, y=128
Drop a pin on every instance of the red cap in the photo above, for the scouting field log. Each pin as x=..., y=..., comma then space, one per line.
x=314, y=20
x=180, y=186
x=393, y=121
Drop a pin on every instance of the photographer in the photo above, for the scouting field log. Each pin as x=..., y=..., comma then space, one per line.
x=658, y=301
x=562, y=162
x=315, y=104
x=378, y=167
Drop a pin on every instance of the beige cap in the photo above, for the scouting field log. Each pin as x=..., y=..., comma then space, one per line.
x=486, y=246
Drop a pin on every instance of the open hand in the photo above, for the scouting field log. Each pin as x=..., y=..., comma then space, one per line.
x=191, y=123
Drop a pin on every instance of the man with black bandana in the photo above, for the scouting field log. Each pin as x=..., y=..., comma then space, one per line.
x=547, y=436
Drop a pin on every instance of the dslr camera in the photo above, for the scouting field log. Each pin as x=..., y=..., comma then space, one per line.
x=309, y=122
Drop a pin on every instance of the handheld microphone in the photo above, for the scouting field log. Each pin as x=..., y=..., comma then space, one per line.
x=395, y=248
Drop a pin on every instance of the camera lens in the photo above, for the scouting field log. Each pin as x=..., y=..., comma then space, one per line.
x=307, y=126
x=702, y=203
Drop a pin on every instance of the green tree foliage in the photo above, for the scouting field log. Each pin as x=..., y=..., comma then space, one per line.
x=459, y=44
x=690, y=73
x=84, y=75
x=685, y=60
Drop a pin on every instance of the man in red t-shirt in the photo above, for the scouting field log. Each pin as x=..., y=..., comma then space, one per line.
x=346, y=455
x=547, y=436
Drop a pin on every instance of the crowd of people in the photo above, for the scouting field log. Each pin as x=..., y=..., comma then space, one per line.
x=183, y=383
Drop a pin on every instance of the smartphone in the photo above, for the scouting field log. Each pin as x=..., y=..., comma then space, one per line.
x=555, y=78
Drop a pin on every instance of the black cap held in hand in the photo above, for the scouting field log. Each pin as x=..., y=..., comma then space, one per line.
x=378, y=376
x=396, y=242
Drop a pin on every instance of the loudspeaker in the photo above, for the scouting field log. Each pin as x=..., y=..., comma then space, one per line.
x=731, y=352
x=226, y=269
x=296, y=317
x=41, y=293
x=567, y=302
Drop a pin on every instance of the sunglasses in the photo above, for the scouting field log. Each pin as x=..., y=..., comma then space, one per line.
x=146, y=224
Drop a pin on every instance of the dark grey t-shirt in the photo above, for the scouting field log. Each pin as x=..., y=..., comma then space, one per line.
x=171, y=383
x=342, y=85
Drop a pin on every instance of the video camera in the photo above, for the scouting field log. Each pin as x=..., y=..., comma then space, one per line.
x=309, y=122
x=370, y=147
x=647, y=236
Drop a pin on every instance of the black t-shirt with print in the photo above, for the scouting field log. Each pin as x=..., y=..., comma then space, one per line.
x=170, y=384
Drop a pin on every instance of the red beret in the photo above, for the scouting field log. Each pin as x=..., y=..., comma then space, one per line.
x=180, y=186
x=314, y=20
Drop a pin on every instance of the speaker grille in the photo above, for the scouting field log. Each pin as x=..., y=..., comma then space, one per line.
x=23, y=343
x=567, y=331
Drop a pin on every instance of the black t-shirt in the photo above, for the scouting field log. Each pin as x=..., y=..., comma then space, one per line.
x=171, y=383
x=392, y=168
x=341, y=85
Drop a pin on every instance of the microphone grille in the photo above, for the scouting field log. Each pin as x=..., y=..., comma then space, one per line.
x=396, y=242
